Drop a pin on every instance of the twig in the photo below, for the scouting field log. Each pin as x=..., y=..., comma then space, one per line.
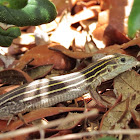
x=24, y=131
x=92, y=133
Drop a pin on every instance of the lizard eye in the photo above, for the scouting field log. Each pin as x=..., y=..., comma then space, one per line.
x=123, y=60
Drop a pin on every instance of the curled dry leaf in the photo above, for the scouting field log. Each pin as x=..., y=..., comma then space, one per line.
x=87, y=13
x=16, y=49
x=41, y=55
x=61, y=5
x=131, y=43
x=80, y=55
x=126, y=85
x=135, y=108
x=111, y=27
x=122, y=48
x=7, y=88
x=67, y=31
x=3, y=124
x=40, y=71
x=108, y=50
x=117, y=117
x=22, y=137
x=76, y=55
x=40, y=113
x=109, y=97
x=71, y=124
x=80, y=5
x=64, y=34
x=14, y=76
x=113, y=36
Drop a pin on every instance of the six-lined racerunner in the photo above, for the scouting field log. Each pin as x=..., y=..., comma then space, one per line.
x=48, y=92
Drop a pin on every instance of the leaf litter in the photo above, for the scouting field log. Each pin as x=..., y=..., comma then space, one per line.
x=119, y=116
x=82, y=29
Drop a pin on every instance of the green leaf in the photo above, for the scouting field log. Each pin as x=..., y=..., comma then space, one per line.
x=134, y=19
x=36, y=12
x=8, y=34
x=107, y=138
x=15, y=4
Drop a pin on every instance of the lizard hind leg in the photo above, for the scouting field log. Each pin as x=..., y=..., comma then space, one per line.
x=13, y=117
x=22, y=118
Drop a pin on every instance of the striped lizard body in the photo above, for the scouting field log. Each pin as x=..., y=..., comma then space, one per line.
x=48, y=92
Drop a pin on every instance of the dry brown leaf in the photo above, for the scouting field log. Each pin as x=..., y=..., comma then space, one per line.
x=134, y=108
x=14, y=76
x=40, y=113
x=108, y=50
x=112, y=23
x=7, y=88
x=41, y=55
x=3, y=124
x=117, y=117
x=40, y=71
x=57, y=133
x=113, y=36
x=127, y=84
x=76, y=55
x=49, y=26
x=71, y=124
x=64, y=34
x=23, y=137
x=79, y=55
x=61, y=5
x=109, y=97
x=88, y=13
x=136, y=116
x=131, y=43
x=105, y=4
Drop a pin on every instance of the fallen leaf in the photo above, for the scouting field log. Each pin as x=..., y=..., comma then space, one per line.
x=112, y=22
x=127, y=84
x=131, y=43
x=41, y=55
x=14, y=76
x=87, y=13
x=40, y=71
x=136, y=116
x=64, y=28
x=76, y=55
x=7, y=88
x=40, y=113
x=113, y=36
x=117, y=117
x=61, y=5
x=79, y=55
x=71, y=124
